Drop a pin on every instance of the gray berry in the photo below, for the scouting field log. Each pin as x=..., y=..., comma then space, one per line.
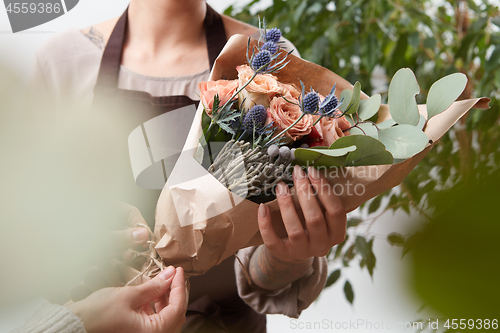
x=292, y=153
x=273, y=151
x=284, y=152
x=304, y=145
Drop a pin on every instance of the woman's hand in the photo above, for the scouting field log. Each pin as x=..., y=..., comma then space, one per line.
x=324, y=228
x=128, y=309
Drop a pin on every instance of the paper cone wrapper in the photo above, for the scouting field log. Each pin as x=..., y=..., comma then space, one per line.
x=199, y=222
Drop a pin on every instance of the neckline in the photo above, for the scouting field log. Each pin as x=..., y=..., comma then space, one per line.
x=142, y=76
x=187, y=77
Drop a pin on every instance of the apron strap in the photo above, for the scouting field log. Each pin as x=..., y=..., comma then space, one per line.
x=215, y=35
x=112, y=55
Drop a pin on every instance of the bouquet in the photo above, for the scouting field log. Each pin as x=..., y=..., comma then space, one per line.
x=264, y=110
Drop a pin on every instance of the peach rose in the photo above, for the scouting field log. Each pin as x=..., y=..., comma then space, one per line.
x=209, y=89
x=333, y=128
x=260, y=90
x=289, y=91
x=284, y=114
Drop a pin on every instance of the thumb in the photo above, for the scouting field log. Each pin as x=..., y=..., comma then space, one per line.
x=129, y=238
x=153, y=289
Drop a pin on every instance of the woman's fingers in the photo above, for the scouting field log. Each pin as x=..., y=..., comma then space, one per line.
x=315, y=221
x=175, y=312
x=296, y=234
x=334, y=207
x=153, y=289
x=269, y=236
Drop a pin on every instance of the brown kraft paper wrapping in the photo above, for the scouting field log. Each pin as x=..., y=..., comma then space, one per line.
x=199, y=223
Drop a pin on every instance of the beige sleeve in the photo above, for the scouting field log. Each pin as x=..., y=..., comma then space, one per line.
x=52, y=318
x=290, y=300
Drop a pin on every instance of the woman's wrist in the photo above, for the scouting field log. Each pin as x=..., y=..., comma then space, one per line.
x=272, y=273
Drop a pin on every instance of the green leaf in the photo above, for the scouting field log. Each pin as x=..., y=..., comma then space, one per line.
x=444, y=92
x=365, y=129
x=386, y=124
x=430, y=43
x=322, y=156
x=205, y=121
x=362, y=246
x=355, y=98
x=332, y=278
x=403, y=141
x=369, y=151
x=496, y=21
x=353, y=222
x=349, y=254
x=421, y=123
x=349, y=293
x=396, y=239
x=369, y=107
x=338, y=251
x=402, y=103
x=346, y=95
x=374, y=205
x=494, y=60
x=350, y=119
x=371, y=261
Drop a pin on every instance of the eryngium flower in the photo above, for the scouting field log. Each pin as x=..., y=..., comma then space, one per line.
x=255, y=119
x=329, y=105
x=270, y=46
x=261, y=59
x=310, y=103
x=273, y=35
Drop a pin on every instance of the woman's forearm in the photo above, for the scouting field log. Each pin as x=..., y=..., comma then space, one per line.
x=271, y=273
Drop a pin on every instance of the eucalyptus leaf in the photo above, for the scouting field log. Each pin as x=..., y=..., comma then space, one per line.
x=444, y=92
x=369, y=151
x=387, y=123
x=369, y=107
x=365, y=129
x=403, y=141
x=350, y=119
x=322, y=157
x=421, y=123
x=346, y=95
x=402, y=103
x=355, y=99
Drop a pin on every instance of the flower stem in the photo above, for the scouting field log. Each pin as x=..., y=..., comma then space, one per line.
x=317, y=120
x=240, y=89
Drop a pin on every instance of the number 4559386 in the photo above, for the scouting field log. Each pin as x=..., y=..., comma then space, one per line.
x=471, y=324
x=31, y=7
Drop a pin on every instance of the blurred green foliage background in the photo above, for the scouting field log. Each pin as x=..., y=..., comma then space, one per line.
x=368, y=41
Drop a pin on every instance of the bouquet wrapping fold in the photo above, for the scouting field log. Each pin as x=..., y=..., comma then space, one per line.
x=199, y=222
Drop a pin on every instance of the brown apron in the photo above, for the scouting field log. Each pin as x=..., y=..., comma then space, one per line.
x=206, y=313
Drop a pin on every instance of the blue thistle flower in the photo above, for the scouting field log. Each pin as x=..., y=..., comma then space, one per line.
x=330, y=104
x=235, y=124
x=270, y=46
x=255, y=119
x=273, y=35
x=310, y=103
x=262, y=58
